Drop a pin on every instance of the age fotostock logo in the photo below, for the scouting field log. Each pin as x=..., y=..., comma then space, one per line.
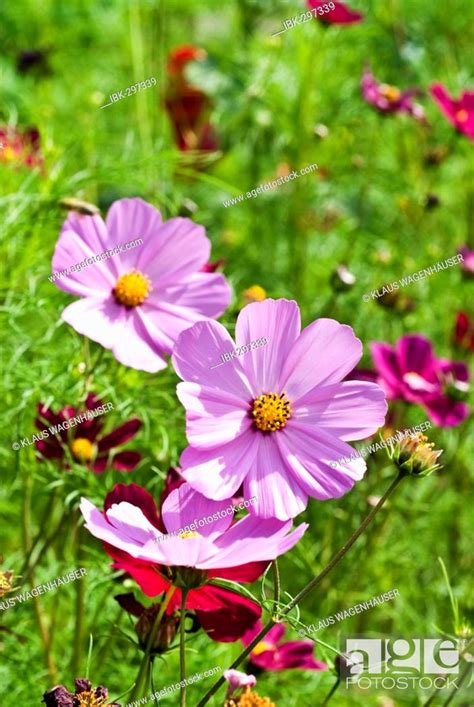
x=401, y=663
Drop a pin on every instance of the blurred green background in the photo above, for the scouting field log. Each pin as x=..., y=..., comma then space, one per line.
x=364, y=207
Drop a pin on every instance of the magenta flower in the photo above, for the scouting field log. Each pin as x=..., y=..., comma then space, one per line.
x=138, y=301
x=274, y=654
x=467, y=263
x=341, y=14
x=410, y=371
x=276, y=417
x=459, y=112
x=389, y=99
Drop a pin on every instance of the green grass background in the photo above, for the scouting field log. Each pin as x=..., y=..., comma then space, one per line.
x=364, y=207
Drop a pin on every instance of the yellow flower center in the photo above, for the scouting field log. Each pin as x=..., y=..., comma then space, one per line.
x=255, y=294
x=262, y=647
x=82, y=449
x=462, y=115
x=391, y=93
x=132, y=289
x=249, y=699
x=88, y=699
x=190, y=534
x=270, y=412
x=8, y=154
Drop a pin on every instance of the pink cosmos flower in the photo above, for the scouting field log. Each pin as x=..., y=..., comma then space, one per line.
x=410, y=371
x=272, y=653
x=459, y=112
x=276, y=417
x=340, y=15
x=137, y=302
x=389, y=99
x=467, y=263
x=137, y=539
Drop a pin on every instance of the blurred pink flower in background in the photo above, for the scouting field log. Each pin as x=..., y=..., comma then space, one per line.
x=275, y=418
x=459, y=112
x=464, y=331
x=137, y=302
x=340, y=15
x=410, y=371
x=467, y=263
x=274, y=654
x=389, y=99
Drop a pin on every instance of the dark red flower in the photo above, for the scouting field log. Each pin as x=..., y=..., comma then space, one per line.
x=188, y=106
x=84, y=694
x=272, y=653
x=464, y=331
x=20, y=147
x=85, y=440
x=222, y=613
x=339, y=15
x=459, y=112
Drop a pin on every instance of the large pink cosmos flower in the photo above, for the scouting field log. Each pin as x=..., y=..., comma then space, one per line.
x=274, y=654
x=136, y=537
x=137, y=302
x=410, y=371
x=389, y=99
x=276, y=417
x=459, y=112
x=340, y=15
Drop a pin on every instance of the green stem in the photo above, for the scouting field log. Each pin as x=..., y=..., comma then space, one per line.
x=331, y=692
x=143, y=673
x=80, y=614
x=182, y=649
x=276, y=583
x=309, y=587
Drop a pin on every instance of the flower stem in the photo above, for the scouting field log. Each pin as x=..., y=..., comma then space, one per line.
x=143, y=673
x=276, y=584
x=182, y=650
x=309, y=587
x=331, y=692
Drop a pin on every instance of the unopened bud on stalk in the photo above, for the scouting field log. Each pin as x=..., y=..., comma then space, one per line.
x=166, y=630
x=6, y=585
x=415, y=456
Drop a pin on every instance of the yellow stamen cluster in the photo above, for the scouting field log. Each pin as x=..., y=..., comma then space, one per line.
x=262, y=647
x=132, y=289
x=88, y=699
x=391, y=93
x=249, y=699
x=82, y=449
x=190, y=534
x=271, y=411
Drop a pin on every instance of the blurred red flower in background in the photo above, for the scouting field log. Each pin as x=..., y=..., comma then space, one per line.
x=459, y=112
x=340, y=15
x=188, y=106
x=20, y=147
x=86, y=441
x=464, y=331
